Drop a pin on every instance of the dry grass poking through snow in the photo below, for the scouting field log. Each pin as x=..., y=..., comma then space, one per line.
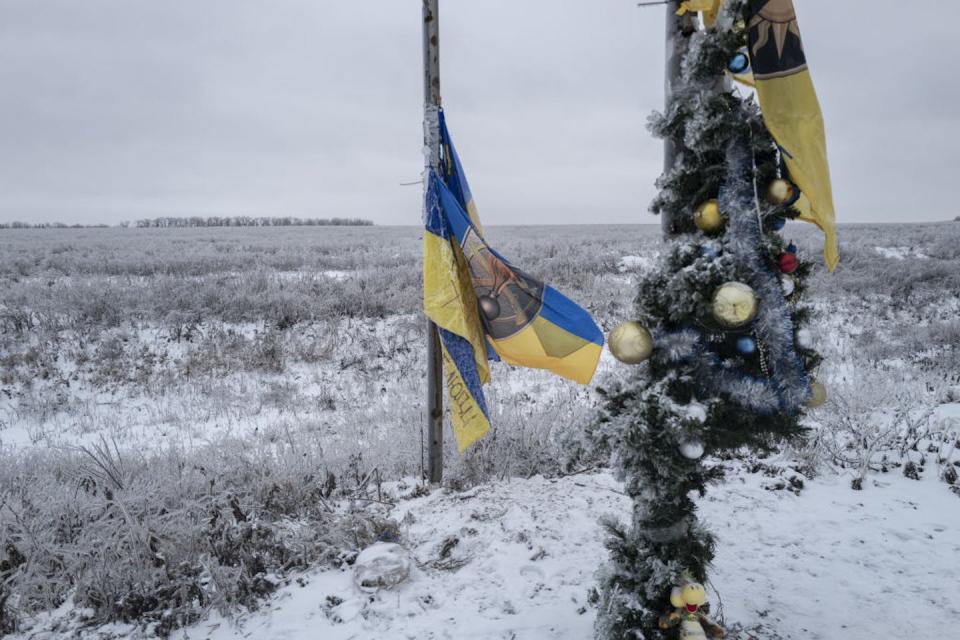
x=188, y=415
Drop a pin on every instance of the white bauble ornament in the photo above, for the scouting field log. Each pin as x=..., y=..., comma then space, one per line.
x=691, y=450
x=789, y=285
x=696, y=411
x=805, y=339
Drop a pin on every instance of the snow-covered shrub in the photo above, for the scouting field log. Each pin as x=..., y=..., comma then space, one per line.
x=158, y=539
x=880, y=424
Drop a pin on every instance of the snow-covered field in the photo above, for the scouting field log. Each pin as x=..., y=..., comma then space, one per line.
x=273, y=379
x=513, y=558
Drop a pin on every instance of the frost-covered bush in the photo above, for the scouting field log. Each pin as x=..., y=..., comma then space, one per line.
x=268, y=333
x=882, y=423
x=158, y=539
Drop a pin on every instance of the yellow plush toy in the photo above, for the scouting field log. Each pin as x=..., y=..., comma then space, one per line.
x=694, y=624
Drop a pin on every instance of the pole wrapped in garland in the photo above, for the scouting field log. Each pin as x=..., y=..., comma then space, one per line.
x=729, y=365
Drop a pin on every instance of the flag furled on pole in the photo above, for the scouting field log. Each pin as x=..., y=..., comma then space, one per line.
x=485, y=307
x=791, y=111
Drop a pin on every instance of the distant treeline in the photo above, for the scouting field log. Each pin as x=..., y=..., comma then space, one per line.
x=248, y=221
x=49, y=225
x=199, y=221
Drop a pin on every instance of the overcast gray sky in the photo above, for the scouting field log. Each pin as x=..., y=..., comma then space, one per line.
x=113, y=110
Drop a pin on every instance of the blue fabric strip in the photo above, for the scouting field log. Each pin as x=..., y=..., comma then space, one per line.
x=461, y=352
x=454, y=175
x=569, y=316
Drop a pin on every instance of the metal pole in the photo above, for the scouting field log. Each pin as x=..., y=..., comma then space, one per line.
x=431, y=99
x=674, y=24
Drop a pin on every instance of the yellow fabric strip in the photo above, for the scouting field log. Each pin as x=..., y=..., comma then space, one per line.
x=544, y=345
x=709, y=9
x=448, y=296
x=792, y=113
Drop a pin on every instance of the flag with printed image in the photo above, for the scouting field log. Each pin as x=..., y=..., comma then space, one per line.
x=484, y=306
x=792, y=113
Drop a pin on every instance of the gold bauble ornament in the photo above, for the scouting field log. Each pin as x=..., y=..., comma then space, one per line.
x=708, y=217
x=781, y=191
x=734, y=305
x=818, y=395
x=631, y=343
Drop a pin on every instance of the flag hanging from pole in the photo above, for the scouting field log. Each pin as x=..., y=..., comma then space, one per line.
x=485, y=307
x=792, y=113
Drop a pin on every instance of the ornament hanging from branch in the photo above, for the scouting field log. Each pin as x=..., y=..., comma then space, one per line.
x=788, y=262
x=734, y=305
x=746, y=345
x=709, y=218
x=739, y=63
x=782, y=192
x=631, y=343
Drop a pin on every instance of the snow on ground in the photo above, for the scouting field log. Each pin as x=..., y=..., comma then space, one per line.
x=515, y=560
x=900, y=253
x=637, y=263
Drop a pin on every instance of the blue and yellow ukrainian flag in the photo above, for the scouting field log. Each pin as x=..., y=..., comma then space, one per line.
x=481, y=302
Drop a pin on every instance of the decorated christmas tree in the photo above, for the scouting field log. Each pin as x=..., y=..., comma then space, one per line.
x=722, y=359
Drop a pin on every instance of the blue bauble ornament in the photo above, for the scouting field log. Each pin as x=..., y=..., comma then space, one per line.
x=746, y=345
x=710, y=251
x=792, y=248
x=778, y=223
x=739, y=63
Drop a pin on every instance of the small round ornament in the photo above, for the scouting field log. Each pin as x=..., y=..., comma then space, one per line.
x=734, y=304
x=739, y=63
x=788, y=262
x=708, y=217
x=818, y=395
x=777, y=223
x=792, y=248
x=696, y=411
x=788, y=284
x=691, y=450
x=631, y=343
x=490, y=307
x=804, y=339
x=782, y=192
x=746, y=345
x=710, y=250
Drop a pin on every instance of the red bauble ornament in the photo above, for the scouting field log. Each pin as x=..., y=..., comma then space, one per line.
x=788, y=262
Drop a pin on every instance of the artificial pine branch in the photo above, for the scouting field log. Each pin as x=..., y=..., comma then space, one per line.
x=696, y=387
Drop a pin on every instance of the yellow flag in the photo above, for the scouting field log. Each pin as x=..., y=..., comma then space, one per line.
x=792, y=113
x=709, y=9
x=485, y=307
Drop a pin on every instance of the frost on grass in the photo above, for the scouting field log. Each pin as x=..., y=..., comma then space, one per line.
x=249, y=418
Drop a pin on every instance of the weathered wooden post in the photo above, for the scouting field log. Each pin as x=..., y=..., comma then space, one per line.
x=674, y=24
x=431, y=139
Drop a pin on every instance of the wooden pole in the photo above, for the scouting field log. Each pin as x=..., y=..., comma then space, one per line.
x=431, y=134
x=674, y=23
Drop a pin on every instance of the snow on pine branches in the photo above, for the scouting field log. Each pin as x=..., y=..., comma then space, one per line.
x=708, y=387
